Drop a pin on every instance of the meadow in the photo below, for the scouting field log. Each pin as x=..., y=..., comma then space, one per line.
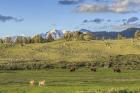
x=63, y=81
x=50, y=61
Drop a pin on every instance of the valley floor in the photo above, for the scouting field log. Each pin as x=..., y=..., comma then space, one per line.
x=63, y=81
x=60, y=80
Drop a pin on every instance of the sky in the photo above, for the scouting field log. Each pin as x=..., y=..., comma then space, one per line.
x=29, y=17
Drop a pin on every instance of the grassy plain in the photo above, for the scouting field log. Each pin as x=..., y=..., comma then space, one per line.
x=63, y=81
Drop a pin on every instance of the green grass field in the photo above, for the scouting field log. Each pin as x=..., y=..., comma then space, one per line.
x=63, y=81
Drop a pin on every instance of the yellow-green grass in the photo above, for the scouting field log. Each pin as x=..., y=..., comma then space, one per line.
x=70, y=51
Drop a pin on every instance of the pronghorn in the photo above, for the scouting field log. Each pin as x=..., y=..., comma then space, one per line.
x=32, y=82
x=42, y=83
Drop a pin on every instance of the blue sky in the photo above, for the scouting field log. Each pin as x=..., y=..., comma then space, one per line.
x=30, y=17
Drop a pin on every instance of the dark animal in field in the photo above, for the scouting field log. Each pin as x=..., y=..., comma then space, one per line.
x=110, y=64
x=93, y=65
x=72, y=69
x=117, y=70
x=94, y=69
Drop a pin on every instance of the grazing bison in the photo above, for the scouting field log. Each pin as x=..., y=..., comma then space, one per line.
x=116, y=69
x=93, y=69
x=42, y=83
x=72, y=69
x=110, y=64
x=32, y=82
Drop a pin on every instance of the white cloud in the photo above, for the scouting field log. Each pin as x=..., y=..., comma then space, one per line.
x=92, y=8
x=118, y=6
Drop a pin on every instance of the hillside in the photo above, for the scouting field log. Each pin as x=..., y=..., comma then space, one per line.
x=72, y=51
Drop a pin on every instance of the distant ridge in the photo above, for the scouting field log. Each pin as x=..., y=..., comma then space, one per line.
x=57, y=34
x=128, y=33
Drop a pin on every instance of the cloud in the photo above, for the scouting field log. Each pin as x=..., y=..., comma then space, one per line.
x=85, y=21
x=118, y=6
x=109, y=20
x=9, y=18
x=122, y=26
x=91, y=8
x=96, y=20
x=69, y=2
x=132, y=19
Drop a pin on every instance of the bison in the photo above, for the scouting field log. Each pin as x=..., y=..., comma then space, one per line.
x=116, y=69
x=72, y=69
x=93, y=69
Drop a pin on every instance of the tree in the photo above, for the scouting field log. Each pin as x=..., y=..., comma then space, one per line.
x=8, y=40
x=68, y=36
x=23, y=40
x=50, y=38
x=27, y=40
x=1, y=41
x=137, y=34
x=77, y=35
x=37, y=39
x=119, y=36
x=88, y=36
x=19, y=39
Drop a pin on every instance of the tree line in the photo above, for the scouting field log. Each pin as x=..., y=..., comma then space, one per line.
x=68, y=36
x=71, y=36
x=26, y=40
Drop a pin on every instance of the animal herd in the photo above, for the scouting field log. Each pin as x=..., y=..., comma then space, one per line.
x=94, y=69
x=72, y=69
x=40, y=83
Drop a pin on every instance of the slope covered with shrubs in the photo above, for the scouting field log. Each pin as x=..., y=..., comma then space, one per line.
x=125, y=53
